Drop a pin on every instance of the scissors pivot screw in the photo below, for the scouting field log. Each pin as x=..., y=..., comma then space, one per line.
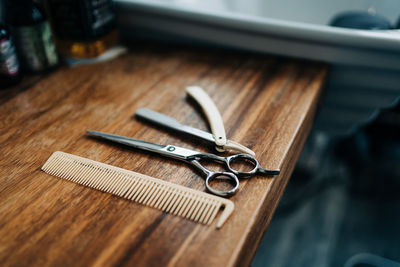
x=171, y=148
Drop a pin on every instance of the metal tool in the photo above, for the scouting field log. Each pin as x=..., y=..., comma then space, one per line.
x=194, y=157
x=218, y=131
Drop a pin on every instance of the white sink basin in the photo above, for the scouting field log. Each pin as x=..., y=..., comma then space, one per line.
x=365, y=63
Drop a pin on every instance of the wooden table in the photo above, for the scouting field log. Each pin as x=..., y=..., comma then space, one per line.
x=267, y=104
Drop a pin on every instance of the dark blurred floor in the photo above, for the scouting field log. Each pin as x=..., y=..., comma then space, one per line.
x=343, y=199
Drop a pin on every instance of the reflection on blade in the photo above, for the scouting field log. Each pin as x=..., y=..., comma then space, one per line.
x=168, y=150
x=128, y=141
x=169, y=122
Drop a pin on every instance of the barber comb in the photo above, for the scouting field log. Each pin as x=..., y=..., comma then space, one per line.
x=175, y=199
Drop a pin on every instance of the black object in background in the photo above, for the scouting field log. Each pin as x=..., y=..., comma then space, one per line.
x=83, y=28
x=9, y=66
x=398, y=24
x=31, y=32
x=361, y=20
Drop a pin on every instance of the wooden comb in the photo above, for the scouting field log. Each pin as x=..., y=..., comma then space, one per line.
x=172, y=198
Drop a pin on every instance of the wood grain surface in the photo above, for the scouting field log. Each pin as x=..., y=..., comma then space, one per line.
x=267, y=103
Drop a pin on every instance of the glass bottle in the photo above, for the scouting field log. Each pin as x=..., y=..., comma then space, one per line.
x=9, y=66
x=83, y=28
x=31, y=32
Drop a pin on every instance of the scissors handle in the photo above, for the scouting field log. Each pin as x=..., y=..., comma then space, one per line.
x=242, y=165
x=227, y=176
x=251, y=164
x=218, y=176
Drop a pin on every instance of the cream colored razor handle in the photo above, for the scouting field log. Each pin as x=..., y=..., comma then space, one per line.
x=211, y=112
x=232, y=145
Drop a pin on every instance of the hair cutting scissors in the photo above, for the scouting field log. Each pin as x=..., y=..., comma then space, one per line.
x=194, y=157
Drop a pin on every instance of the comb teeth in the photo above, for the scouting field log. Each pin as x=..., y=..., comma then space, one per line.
x=172, y=198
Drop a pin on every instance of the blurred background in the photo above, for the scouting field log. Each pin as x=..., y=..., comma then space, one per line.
x=342, y=204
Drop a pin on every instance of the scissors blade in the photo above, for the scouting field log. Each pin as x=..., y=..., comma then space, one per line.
x=169, y=122
x=168, y=150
